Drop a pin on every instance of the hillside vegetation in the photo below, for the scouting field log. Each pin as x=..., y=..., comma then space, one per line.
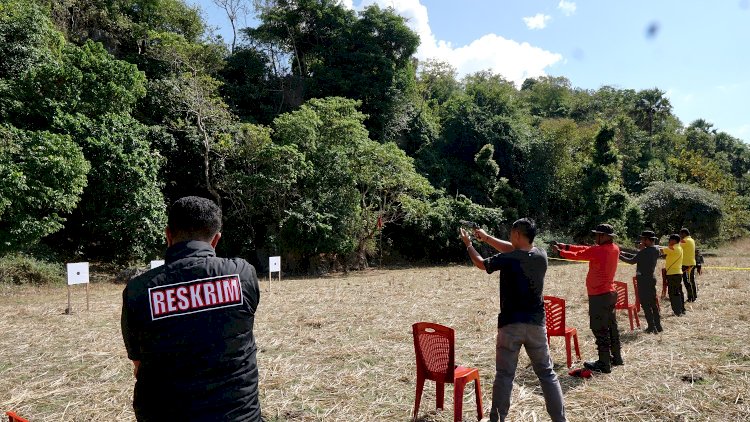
x=312, y=127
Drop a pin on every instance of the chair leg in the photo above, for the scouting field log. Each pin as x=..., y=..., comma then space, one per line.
x=440, y=395
x=418, y=398
x=630, y=318
x=567, y=350
x=575, y=342
x=478, y=393
x=458, y=399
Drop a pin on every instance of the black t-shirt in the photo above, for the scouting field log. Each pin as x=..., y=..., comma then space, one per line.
x=521, y=285
x=190, y=324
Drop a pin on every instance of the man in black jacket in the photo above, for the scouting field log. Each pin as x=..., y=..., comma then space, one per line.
x=188, y=326
x=645, y=261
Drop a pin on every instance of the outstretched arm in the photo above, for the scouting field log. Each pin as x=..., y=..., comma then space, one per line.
x=575, y=252
x=500, y=245
x=476, y=258
x=629, y=258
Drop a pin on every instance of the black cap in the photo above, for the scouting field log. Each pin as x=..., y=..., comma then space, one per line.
x=605, y=229
x=648, y=234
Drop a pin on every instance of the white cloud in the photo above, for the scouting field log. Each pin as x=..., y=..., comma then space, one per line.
x=349, y=4
x=513, y=60
x=538, y=21
x=567, y=7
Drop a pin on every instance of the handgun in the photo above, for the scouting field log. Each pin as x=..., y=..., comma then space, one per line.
x=469, y=224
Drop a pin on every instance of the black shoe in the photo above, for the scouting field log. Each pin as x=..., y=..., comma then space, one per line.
x=649, y=330
x=616, y=362
x=598, y=366
x=659, y=329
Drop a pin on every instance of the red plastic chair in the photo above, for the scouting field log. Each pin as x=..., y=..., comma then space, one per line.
x=434, y=347
x=622, y=303
x=12, y=417
x=638, y=299
x=554, y=311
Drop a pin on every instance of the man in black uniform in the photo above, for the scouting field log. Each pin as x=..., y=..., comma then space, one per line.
x=188, y=326
x=645, y=261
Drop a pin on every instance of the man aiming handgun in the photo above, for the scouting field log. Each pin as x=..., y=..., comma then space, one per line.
x=520, y=322
x=600, y=287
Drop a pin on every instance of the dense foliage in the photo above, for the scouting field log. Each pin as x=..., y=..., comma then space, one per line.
x=323, y=139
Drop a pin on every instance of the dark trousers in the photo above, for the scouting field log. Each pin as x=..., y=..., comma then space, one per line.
x=603, y=322
x=676, y=297
x=688, y=278
x=647, y=297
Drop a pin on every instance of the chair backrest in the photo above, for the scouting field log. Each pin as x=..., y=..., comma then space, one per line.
x=12, y=417
x=434, y=346
x=635, y=290
x=554, y=315
x=622, y=295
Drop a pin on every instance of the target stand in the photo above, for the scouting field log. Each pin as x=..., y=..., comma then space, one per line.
x=78, y=273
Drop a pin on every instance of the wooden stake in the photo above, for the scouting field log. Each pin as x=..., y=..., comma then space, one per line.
x=87, y=296
x=69, y=310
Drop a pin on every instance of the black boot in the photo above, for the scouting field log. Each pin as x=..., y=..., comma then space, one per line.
x=617, y=358
x=602, y=365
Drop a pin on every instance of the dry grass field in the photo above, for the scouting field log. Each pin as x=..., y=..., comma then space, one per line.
x=340, y=349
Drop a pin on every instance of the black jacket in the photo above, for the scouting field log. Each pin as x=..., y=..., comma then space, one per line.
x=190, y=323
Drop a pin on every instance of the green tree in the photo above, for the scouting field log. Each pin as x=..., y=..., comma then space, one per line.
x=334, y=52
x=352, y=181
x=650, y=109
x=603, y=198
x=42, y=176
x=27, y=38
x=87, y=81
x=122, y=211
x=668, y=206
x=547, y=96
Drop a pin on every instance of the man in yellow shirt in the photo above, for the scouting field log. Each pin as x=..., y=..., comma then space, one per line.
x=688, y=264
x=673, y=266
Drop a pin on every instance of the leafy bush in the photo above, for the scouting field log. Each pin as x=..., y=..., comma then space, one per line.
x=669, y=206
x=122, y=213
x=42, y=176
x=430, y=229
x=23, y=269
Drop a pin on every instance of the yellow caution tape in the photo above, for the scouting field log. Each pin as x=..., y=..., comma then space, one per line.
x=704, y=266
x=727, y=268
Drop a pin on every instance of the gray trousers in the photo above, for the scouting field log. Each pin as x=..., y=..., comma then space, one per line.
x=510, y=338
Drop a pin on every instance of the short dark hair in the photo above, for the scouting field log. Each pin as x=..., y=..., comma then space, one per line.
x=194, y=218
x=526, y=227
x=675, y=237
x=685, y=231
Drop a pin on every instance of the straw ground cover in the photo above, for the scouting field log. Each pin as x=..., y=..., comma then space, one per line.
x=340, y=349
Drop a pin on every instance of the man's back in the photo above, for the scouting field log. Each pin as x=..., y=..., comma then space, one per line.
x=688, y=250
x=521, y=285
x=190, y=324
x=673, y=262
x=602, y=265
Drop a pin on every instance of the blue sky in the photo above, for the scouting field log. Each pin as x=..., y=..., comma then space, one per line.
x=695, y=50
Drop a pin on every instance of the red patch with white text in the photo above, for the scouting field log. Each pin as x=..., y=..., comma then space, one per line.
x=195, y=296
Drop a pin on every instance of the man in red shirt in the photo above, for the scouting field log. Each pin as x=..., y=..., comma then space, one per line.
x=600, y=286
